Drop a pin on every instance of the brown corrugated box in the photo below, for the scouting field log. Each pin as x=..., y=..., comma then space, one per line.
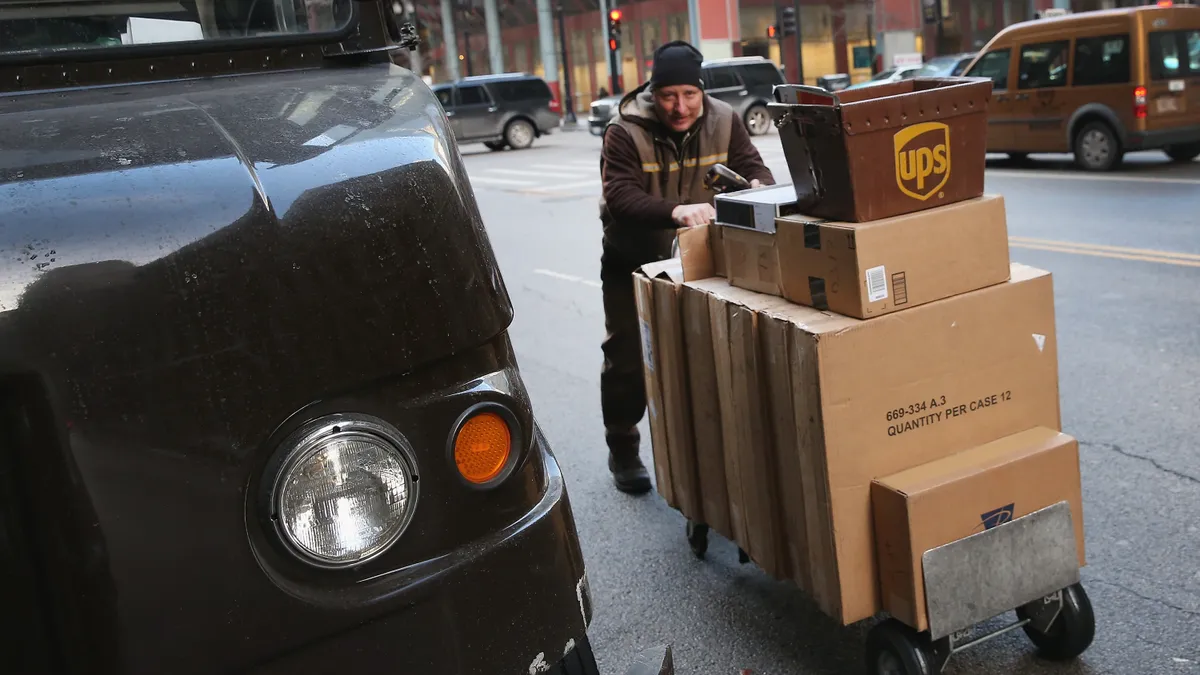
x=705, y=407
x=656, y=288
x=889, y=149
x=872, y=398
x=873, y=268
x=952, y=498
x=869, y=269
x=748, y=453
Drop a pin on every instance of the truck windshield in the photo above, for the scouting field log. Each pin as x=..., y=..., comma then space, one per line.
x=39, y=25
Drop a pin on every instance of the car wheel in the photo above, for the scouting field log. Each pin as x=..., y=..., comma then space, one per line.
x=1183, y=152
x=1097, y=147
x=758, y=121
x=519, y=134
x=494, y=145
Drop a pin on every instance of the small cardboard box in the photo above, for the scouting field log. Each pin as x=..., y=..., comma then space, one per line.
x=752, y=260
x=952, y=498
x=664, y=366
x=870, y=269
x=882, y=151
x=866, y=270
x=872, y=398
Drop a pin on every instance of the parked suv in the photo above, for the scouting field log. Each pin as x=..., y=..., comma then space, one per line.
x=1097, y=84
x=744, y=82
x=509, y=110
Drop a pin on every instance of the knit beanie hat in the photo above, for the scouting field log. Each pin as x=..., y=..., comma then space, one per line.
x=676, y=63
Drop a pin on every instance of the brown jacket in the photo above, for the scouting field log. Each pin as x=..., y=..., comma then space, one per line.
x=646, y=175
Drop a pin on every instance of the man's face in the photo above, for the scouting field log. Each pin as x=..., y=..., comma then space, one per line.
x=679, y=106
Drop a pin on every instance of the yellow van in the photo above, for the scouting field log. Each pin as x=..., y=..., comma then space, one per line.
x=1096, y=84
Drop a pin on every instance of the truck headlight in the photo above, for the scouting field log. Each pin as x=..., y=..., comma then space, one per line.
x=345, y=491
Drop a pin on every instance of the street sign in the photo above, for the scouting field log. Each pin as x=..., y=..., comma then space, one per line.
x=910, y=59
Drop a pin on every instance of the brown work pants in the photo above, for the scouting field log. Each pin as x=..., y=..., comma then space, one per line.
x=622, y=387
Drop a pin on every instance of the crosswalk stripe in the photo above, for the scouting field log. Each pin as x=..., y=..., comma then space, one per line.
x=500, y=181
x=559, y=188
x=561, y=167
x=538, y=174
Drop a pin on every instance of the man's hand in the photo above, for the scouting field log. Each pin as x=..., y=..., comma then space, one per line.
x=756, y=183
x=692, y=215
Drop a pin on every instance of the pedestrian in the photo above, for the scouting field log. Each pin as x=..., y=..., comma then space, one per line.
x=657, y=150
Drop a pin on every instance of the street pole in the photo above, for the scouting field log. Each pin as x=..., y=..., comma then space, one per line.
x=799, y=45
x=569, y=102
x=467, y=50
x=613, y=62
x=604, y=31
x=871, y=34
x=694, y=22
x=450, y=38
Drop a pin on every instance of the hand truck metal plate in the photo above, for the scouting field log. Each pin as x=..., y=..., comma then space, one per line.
x=991, y=572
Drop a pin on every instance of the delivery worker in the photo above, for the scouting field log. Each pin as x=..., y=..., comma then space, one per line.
x=657, y=150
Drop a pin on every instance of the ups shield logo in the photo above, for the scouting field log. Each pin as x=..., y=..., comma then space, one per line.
x=922, y=159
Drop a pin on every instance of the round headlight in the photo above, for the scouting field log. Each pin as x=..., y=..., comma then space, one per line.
x=346, y=491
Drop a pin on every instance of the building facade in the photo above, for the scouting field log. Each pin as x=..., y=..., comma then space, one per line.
x=836, y=36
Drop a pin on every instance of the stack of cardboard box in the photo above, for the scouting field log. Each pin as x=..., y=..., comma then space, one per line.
x=838, y=397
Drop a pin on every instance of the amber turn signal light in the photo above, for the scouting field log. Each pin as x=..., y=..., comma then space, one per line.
x=482, y=447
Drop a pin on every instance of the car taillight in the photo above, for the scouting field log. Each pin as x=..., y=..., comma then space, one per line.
x=1139, y=103
x=555, y=105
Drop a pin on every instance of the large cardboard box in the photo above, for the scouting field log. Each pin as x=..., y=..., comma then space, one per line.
x=656, y=288
x=952, y=498
x=748, y=451
x=705, y=408
x=872, y=398
x=869, y=269
x=873, y=268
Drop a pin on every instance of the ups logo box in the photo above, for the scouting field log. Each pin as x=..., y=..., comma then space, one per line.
x=922, y=159
x=887, y=150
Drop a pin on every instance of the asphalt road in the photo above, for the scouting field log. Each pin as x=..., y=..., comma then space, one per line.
x=1125, y=252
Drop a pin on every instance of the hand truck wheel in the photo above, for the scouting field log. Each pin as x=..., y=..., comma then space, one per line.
x=894, y=648
x=1072, y=631
x=697, y=536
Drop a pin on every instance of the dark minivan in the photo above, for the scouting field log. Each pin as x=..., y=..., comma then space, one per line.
x=509, y=110
x=745, y=82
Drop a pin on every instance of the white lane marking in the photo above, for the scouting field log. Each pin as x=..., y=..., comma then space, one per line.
x=559, y=188
x=557, y=168
x=500, y=181
x=538, y=174
x=1038, y=175
x=568, y=277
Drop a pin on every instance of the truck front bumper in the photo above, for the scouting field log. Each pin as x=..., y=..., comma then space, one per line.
x=514, y=602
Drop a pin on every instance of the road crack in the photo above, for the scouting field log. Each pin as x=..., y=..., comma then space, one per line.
x=1154, y=462
x=1147, y=598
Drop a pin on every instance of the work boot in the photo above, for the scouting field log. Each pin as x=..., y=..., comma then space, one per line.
x=629, y=474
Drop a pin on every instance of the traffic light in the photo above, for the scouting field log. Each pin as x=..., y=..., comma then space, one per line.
x=614, y=30
x=787, y=21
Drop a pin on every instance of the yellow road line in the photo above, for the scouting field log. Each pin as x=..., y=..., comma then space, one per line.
x=1106, y=254
x=1104, y=247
